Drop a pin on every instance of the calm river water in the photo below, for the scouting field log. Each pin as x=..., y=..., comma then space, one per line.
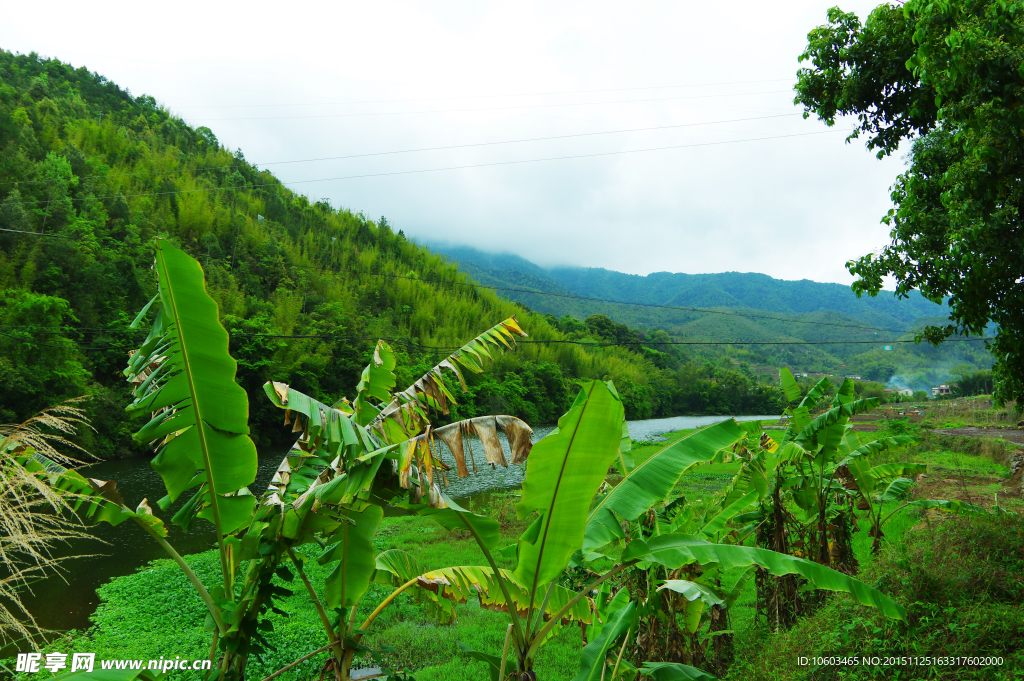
x=60, y=605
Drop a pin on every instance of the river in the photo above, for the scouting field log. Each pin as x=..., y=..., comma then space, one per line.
x=64, y=604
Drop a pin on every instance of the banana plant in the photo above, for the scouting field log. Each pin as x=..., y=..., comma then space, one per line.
x=574, y=520
x=183, y=378
x=353, y=458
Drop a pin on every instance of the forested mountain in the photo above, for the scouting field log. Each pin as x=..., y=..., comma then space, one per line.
x=89, y=175
x=744, y=307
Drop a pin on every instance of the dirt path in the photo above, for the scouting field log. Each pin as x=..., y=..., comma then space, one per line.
x=1015, y=436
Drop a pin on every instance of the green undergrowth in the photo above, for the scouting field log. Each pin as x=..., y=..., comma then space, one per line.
x=155, y=612
x=961, y=581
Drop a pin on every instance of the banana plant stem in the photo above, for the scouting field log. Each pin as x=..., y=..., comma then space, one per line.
x=203, y=593
x=512, y=611
x=316, y=603
x=383, y=604
x=297, y=662
x=543, y=607
x=504, y=654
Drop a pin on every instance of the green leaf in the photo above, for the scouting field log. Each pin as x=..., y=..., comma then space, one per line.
x=716, y=524
x=880, y=445
x=235, y=512
x=789, y=385
x=404, y=416
x=493, y=661
x=896, y=490
x=888, y=471
x=650, y=482
x=396, y=567
x=692, y=591
x=592, y=660
x=184, y=372
x=355, y=555
x=454, y=517
x=675, y=550
x=563, y=473
x=673, y=671
x=827, y=430
x=951, y=505
x=377, y=381
x=464, y=582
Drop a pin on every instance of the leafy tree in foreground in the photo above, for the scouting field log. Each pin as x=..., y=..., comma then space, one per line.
x=950, y=77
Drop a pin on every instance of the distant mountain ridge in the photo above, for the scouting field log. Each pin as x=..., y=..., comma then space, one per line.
x=751, y=291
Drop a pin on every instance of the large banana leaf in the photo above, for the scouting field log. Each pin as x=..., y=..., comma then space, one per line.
x=563, y=473
x=890, y=471
x=406, y=414
x=952, y=505
x=451, y=516
x=880, y=445
x=184, y=374
x=592, y=660
x=827, y=430
x=651, y=481
x=896, y=490
x=675, y=550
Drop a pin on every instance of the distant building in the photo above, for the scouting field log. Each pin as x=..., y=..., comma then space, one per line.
x=856, y=378
x=906, y=392
x=941, y=390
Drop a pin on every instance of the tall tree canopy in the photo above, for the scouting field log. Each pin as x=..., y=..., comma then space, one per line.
x=949, y=76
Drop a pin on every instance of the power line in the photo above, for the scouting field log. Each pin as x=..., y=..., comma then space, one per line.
x=421, y=149
x=498, y=96
x=21, y=231
x=462, y=167
x=491, y=108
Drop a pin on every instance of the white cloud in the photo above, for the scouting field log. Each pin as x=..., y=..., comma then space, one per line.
x=308, y=80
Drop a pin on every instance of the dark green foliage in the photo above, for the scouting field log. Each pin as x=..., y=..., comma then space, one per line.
x=947, y=76
x=960, y=581
x=972, y=383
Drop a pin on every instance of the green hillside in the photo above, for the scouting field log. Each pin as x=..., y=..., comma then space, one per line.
x=89, y=175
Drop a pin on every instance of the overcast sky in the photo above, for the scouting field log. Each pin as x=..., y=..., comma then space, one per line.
x=303, y=80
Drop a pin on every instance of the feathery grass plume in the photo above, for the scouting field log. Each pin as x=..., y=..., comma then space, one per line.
x=34, y=516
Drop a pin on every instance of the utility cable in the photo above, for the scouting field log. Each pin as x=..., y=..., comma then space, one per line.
x=417, y=150
x=491, y=108
x=498, y=96
x=279, y=183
